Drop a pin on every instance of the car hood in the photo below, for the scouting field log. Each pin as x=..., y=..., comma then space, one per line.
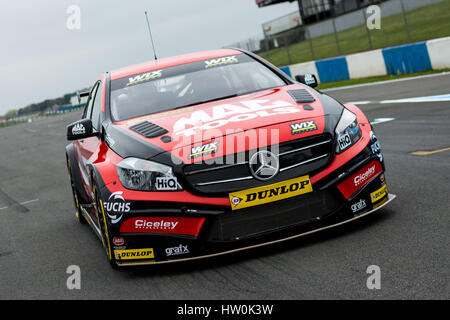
x=227, y=126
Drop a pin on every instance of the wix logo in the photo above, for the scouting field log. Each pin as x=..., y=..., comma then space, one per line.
x=204, y=149
x=78, y=129
x=220, y=61
x=144, y=77
x=302, y=127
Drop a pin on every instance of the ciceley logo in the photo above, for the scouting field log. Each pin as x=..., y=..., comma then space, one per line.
x=78, y=129
x=116, y=206
x=302, y=127
x=220, y=61
x=144, y=77
x=204, y=150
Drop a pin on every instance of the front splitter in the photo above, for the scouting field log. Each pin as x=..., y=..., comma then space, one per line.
x=141, y=263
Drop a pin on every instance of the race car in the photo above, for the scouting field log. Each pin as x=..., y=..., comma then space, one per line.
x=214, y=152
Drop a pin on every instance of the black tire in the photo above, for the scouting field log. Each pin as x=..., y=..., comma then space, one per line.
x=78, y=215
x=104, y=227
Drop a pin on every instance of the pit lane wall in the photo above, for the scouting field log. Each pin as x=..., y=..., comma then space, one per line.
x=416, y=57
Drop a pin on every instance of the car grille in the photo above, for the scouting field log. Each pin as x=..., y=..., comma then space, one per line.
x=296, y=157
x=270, y=217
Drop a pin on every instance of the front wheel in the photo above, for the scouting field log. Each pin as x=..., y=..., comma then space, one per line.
x=75, y=195
x=104, y=228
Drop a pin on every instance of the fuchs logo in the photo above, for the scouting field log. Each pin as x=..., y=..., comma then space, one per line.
x=220, y=61
x=344, y=141
x=116, y=206
x=175, y=251
x=302, y=127
x=360, y=178
x=144, y=77
x=358, y=206
x=204, y=149
x=78, y=129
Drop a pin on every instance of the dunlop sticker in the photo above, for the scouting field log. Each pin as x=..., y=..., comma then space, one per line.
x=274, y=192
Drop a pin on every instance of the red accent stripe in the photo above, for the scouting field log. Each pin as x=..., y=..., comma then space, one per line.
x=359, y=179
x=163, y=225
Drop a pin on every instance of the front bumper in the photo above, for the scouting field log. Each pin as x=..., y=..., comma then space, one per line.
x=215, y=230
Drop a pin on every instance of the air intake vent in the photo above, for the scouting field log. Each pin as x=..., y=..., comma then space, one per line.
x=148, y=129
x=301, y=96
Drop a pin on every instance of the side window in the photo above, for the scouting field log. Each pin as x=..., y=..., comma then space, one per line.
x=88, y=109
x=96, y=108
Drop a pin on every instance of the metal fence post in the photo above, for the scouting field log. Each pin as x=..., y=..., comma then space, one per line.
x=310, y=42
x=287, y=48
x=406, y=20
x=336, y=36
x=367, y=29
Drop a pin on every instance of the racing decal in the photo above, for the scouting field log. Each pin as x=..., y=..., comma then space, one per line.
x=360, y=179
x=118, y=241
x=344, y=141
x=220, y=61
x=144, y=77
x=168, y=225
x=302, y=127
x=358, y=206
x=377, y=195
x=203, y=150
x=166, y=184
x=132, y=254
x=116, y=206
x=221, y=115
x=175, y=251
x=375, y=146
x=78, y=129
x=270, y=193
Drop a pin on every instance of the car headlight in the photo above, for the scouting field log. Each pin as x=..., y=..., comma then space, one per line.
x=144, y=175
x=348, y=131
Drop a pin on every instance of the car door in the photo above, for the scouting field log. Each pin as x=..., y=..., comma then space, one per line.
x=88, y=147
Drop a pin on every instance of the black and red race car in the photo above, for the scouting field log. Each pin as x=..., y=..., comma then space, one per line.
x=214, y=152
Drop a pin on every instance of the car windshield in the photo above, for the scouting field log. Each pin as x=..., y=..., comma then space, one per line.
x=189, y=84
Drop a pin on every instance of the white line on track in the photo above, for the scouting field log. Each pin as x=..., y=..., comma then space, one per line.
x=22, y=203
x=381, y=120
x=387, y=81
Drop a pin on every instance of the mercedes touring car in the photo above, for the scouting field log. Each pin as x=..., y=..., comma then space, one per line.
x=214, y=152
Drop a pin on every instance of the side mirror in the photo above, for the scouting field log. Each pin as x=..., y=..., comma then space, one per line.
x=308, y=79
x=80, y=129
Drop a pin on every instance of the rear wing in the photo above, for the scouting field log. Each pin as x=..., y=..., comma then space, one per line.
x=81, y=95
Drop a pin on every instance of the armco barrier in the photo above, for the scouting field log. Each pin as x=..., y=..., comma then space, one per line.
x=407, y=59
x=335, y=69
x=415, y=57
x=439, y=52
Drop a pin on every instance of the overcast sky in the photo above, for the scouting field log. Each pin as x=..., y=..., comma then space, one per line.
x=42, y=58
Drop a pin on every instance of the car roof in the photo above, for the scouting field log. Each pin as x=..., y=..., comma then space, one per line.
x=170, y=62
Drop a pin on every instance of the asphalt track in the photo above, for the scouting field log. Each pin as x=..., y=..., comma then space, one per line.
x=409, y=239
